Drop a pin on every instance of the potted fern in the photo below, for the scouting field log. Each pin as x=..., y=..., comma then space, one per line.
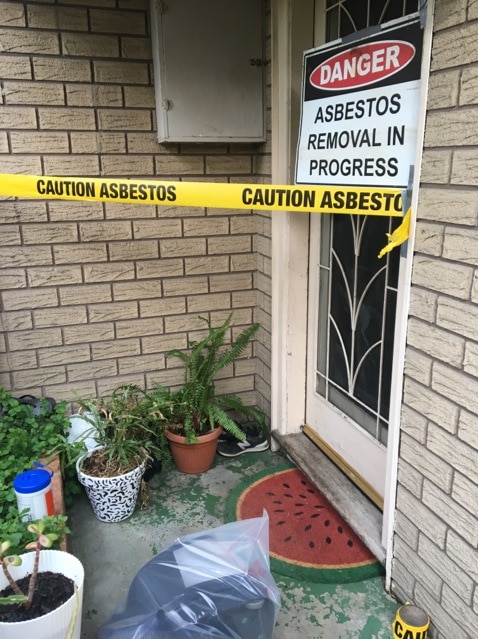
x=198, y=414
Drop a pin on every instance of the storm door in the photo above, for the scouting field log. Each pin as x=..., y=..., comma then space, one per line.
x=352, y=305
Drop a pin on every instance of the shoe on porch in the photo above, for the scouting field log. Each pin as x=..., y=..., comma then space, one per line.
x=255, y=442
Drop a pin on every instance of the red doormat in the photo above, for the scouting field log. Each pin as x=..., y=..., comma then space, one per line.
x=308, y=539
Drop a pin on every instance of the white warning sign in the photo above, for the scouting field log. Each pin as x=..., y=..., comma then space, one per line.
x=360, y=105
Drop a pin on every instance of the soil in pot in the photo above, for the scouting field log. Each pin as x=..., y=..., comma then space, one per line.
x=99, y=465
x=51, y=591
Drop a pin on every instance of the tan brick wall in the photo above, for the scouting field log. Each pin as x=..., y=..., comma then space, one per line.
x=436, y=533
x=95, y=294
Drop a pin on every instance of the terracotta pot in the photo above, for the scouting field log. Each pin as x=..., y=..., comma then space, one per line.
x=197, y=457
x=53, y=625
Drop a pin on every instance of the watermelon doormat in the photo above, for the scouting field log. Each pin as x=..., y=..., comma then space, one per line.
x=308, y=539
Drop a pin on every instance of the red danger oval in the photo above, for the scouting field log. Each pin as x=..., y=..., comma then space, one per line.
x=363, y=65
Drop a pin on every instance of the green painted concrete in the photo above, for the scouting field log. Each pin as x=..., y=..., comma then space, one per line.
x=180, y=504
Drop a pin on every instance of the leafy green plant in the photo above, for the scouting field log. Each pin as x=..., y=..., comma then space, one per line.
x=17, y=534
x=127, y=431
x=69, y=453
x=42, y=540
x=24, y=438
x=196, y=407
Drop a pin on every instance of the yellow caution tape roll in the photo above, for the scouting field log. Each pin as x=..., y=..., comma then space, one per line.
x=411, y=622
x=316, y=199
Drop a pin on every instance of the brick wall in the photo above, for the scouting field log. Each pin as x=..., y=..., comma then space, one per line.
x=436, y=538
x=95, y=294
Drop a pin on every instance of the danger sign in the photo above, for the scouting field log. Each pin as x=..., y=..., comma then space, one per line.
x=360, y=110
x=369, y=63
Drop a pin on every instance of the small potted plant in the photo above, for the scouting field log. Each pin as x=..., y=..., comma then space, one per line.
x=127, y=437
x=41, y=592
x=198, y=414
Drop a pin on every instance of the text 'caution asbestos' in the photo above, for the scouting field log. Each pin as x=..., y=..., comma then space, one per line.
x=316, y=199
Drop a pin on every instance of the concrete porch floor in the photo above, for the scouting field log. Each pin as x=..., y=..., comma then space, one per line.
x=181, y=504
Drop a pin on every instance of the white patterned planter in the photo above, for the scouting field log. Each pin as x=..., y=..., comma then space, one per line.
x=53, y=625
x=112, y=498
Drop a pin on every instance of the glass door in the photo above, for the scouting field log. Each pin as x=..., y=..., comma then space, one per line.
x=352, y=305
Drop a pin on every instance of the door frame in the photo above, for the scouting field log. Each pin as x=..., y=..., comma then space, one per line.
x=292, y=24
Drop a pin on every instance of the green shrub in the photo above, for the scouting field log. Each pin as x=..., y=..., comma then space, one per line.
x=24, y=438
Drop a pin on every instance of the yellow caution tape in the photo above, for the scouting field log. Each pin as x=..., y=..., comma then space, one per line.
x=399, y=235
x=316, y=199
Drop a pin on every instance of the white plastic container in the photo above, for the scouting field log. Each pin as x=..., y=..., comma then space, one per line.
x=33, y=492
x=82, y=429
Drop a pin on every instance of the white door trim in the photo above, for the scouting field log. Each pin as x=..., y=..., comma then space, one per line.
x=290, y=232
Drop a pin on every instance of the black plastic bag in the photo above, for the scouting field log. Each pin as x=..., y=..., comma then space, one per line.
x=209, y=584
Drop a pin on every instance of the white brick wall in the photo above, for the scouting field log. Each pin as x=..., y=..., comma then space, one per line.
x=94, y=294
x=436, y=534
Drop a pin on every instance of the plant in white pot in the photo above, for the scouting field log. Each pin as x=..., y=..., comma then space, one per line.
x=127, y=439
x=41, y=592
